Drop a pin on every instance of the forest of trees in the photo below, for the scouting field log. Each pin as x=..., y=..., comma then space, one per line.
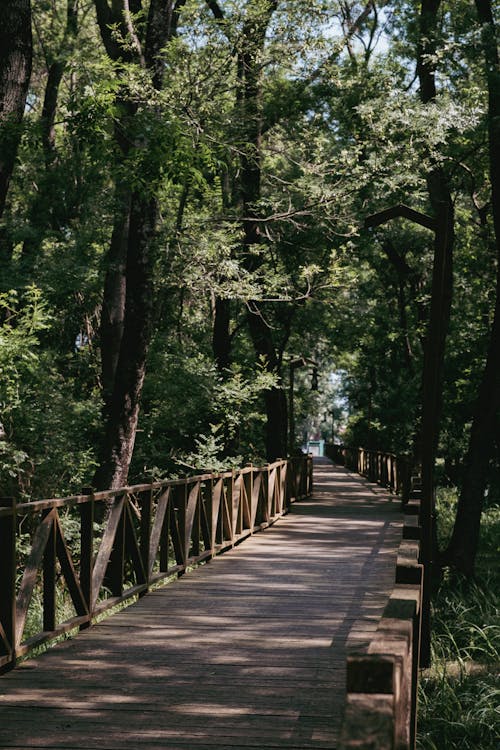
x=189, y=193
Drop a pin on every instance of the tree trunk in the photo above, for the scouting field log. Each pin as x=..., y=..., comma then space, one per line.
x=440, y=308
x=114, y=296
x=274, y=398
x=15, y=72
x=44, y=213
x=247, y=195
x=461, y=552
x=124, y=401
x=442, y=274
x=221, y=336
x=128, y=299
x=254, y=34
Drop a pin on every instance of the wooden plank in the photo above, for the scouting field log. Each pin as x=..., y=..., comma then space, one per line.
x=146, y=507
x=176, y=526
x=132, y=548
x=105, y=549
x=256, y=493
x=30, y=574
x=158, y=528
x=191, y=506
x=87, y=549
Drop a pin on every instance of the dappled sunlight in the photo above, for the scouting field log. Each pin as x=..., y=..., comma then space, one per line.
x=252, y=643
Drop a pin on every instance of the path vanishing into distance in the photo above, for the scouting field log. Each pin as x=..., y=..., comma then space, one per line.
x=245, y=652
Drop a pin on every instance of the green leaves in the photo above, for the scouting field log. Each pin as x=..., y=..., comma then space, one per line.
x=19, y=341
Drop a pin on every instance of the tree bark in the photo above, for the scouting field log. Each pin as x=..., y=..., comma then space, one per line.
x=15, y=73
x=125, y=399
x=114, y=295
x=462, y=549
x=247, y=194
x=128, y=305
x=442, y=274
x=254, y=33
x=221, y=336
x=439, y=316
x=274, y=398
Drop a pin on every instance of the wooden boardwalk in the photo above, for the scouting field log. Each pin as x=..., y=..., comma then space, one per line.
x=248, y=651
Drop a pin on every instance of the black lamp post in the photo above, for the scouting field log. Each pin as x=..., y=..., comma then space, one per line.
x=431, y=403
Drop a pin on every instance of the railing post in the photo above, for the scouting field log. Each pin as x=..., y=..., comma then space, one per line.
x=86, y=548
x=406, y=479
x=114, y=577
x=49, y=579
x=180, y=503
x=247, y=490
x=289, y=474
x=285, y=506
x=146, y=505
x=8, y=565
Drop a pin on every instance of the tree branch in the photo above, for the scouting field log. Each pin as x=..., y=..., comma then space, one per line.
x=301, y=85
x=217, y=11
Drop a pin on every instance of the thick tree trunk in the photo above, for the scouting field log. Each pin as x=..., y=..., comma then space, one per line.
x=439, y=316
x=15, y=72
x=437, y=329
x=131, y=366
x=247, y=194
x=115, y=283
x=461, y=552
x=128, y=305
x=442, y=273
x=114, y=296
x=249, y=68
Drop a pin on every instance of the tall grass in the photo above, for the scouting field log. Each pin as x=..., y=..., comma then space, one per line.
x=459, y=698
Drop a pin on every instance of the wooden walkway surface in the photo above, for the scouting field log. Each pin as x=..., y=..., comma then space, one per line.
x=248, y=651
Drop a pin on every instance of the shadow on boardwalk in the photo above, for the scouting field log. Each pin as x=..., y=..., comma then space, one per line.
x=248, y=651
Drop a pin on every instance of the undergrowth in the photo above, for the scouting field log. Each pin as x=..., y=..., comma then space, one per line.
x=459, y=696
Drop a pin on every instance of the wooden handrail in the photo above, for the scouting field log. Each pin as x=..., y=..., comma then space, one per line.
x=383, y=668
x=390, y=470
x=382, y=672
x=97, y=550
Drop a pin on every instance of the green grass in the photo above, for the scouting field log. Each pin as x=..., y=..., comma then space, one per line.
x=459, y=696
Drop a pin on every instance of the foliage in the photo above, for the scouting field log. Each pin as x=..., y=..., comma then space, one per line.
x=45, y=422
x=344, y=134
x=459, y=701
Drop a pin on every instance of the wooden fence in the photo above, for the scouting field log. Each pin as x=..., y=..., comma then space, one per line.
x=383, y=668
x=65, y=561
x=382, y=671
x=387, y=469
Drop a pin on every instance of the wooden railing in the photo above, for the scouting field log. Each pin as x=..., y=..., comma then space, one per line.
x=387, y=469
x=382, y=670
x=65, y=561
x=383, y=667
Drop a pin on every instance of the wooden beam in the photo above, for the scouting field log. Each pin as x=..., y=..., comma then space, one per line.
x=382, y=217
